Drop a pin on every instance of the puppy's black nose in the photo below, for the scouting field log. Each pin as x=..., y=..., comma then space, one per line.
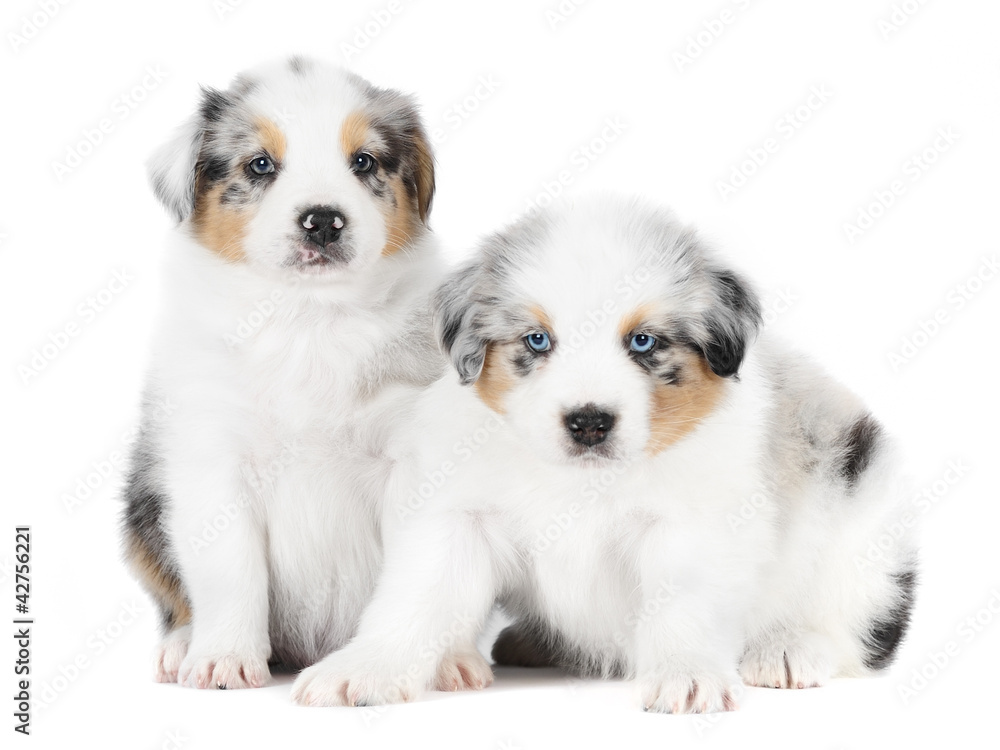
x=323, y=224
x=589, y=425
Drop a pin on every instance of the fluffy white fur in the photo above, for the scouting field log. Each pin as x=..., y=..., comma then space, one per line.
x=643, y=559
x=255, y=499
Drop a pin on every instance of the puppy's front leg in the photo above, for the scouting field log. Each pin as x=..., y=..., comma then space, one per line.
x=220, y=547
x=437, y=586
x=686, y=633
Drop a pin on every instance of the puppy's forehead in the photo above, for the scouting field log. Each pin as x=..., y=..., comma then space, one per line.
x=301, y=96
x=595, y=252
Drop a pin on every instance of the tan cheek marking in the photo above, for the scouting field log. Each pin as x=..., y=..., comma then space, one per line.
x=677, y=409
x=353, y=133
x=271, y=138
x=633, y=320
x=164, y=587
x=219, y=227
x=495, y=380
x=401, y=221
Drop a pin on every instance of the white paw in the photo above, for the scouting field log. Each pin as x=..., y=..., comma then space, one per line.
x=800, y=661
x=223, y=671
x=688, y=692
x=171, y=652
x=348, y=678
x=463, y=670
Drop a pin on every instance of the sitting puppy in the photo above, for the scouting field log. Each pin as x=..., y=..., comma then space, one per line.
x=296, y=333
x=633, y=421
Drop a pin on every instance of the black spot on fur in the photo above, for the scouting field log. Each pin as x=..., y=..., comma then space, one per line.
x=731, y=323
x=735, y=295
x=234, y=194
x=530, y=642
x=859, y=445
x=672, y=376
x=524, y=644
x=214, y=168
x=214, y=104
x=887, y=632
x=298, y=64
x=524, y=363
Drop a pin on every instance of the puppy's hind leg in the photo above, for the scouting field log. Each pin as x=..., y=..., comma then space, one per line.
x=524, y=644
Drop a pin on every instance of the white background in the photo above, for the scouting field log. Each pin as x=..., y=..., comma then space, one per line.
x=686, y=127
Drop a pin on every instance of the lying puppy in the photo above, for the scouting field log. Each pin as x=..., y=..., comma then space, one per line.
x=295, y=334
x=607, y=512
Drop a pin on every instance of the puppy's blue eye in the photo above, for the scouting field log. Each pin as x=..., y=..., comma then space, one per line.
x=538, y=342
x=262, y=165
x=642, y=343
x=363, y=162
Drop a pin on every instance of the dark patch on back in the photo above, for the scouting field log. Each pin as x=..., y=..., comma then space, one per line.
x=298, y=64
x=887, y=632
x=859, y=445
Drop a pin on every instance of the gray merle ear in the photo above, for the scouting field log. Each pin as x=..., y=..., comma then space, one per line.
x=731, y=322
x=458, y=310
x=173, y=168
x=397, y=120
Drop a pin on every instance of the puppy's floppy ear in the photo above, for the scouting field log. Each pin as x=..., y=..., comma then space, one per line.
x=424, y=177
x=397, y=119
x=457, y=308
x=173, y=167
x=731, y=322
